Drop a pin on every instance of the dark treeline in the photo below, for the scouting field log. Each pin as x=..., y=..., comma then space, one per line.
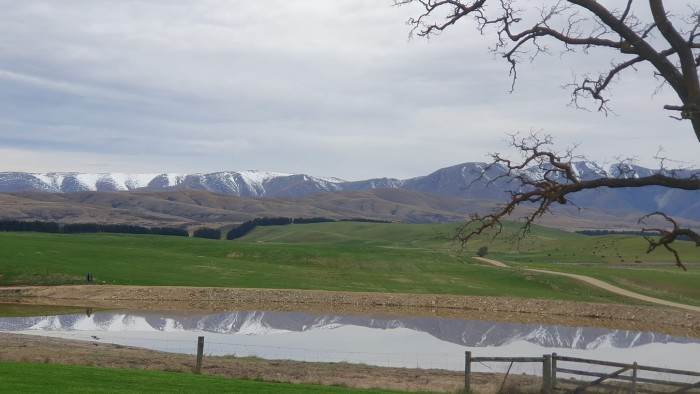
x=206, y=232
x=36, y=226
x=628, y=232
x=172, y=231
x=364, y=220
x=311, y=220
x=51, y=227
x=246, y=227
x=615, y=232
x=104, y=228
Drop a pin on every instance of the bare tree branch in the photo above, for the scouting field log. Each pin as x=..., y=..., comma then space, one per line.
x=583, y=24
x=543, y=178
x=666, y=237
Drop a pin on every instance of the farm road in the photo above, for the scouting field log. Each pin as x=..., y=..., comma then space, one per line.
x=603, y=285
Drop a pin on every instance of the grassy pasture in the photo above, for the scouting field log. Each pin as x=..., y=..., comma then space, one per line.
x=20, y=310
x=352, y=257
x=604, y=250
x=618, y=259
x=46, y=378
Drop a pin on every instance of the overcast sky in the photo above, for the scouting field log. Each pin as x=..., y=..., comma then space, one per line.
x=325, y=88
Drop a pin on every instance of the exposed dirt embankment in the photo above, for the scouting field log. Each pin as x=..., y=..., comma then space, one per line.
x=646, y=318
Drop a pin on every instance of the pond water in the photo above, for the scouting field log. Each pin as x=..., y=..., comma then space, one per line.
x=421, y=342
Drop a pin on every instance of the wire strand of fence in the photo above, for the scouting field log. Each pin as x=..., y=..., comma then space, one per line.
x=445, y=361
x=391, y=359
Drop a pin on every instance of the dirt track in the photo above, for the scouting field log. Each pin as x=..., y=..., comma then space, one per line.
x=620, y=291
x=602, y=285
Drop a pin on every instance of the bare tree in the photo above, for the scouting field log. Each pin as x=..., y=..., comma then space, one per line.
x=664, y=41
x=543, y=178
x=583, y=25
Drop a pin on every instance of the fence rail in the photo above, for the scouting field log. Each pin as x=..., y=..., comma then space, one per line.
x=625, y=377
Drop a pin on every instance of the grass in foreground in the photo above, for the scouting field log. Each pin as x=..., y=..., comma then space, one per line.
x=46, y=378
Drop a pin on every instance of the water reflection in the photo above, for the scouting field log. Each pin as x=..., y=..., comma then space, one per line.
x=383, y=340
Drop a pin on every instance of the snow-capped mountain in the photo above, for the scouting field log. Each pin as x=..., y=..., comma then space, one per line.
x=243, y=183
x=464, y=181
x=458, y=181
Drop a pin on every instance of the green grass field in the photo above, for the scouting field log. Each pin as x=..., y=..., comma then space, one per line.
x=21, y=310
x=51, y=378
x=353, y=257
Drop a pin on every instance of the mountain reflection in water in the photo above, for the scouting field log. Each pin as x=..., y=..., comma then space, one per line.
x=306, y=336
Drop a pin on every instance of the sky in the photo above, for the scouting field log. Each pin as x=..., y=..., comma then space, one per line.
x=324, y=88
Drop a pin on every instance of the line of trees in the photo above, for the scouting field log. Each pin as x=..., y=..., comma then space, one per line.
x=36, y=226
x=74, y=228
x=208, y=233
x=204, y=232
x=614, y=232
x=246, y=227
x=627, y=232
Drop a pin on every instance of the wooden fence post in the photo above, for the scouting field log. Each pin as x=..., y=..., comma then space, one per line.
x=554, y=371
x=547, y=374
x=467, y=371
x=200, y=354
x=634, y=378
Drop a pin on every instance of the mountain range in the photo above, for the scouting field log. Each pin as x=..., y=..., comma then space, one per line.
x=448, y=194
x=451, y=181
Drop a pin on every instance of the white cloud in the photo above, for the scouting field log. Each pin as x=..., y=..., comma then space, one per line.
x=325, y=88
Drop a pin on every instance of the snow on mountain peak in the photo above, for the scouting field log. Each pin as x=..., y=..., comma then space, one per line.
x=92, y=181
x=255, y=177
x=128, y=181
x=174, y=178
x=251, y=183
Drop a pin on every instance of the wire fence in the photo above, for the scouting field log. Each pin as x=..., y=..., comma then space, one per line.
x=386, y=359
x=547, y=371
x=445, y=361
